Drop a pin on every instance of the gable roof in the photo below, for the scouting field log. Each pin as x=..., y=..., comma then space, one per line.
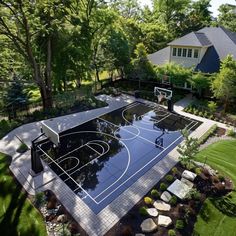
x=194, y=39
x=223, y=40
x=160, y=57
x=220, y=42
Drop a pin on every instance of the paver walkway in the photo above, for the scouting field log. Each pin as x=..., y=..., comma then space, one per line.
x=93, y=224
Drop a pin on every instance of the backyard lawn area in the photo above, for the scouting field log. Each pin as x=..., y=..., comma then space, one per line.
x=218, y=215
x=17, y=215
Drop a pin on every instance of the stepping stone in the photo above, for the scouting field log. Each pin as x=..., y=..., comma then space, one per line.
x=166, y=196
x=152, y=212
x=161, y=206
x=187, y=182
x=189, y=175
x=139, y=234
x=179, y=189
x=148, y=226
x=164, y=221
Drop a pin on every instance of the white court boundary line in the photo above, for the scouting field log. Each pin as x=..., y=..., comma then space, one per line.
x=93, y=199
x=70, y=157
x=89, y=162
x=122, y=127
x=139, y=169
x=123, y=116
x=69, y=175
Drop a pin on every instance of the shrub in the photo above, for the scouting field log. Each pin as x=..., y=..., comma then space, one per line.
x=174, y=170
x=179, y=224
x=22, y=148
x=205, y=114
x=171, y=232
x=230, y=132
x=173, y=201
x=206, y=135
x=155, y=193
x=39, y=199
x=200, y=113
x=194, y=194
x=148, y=200
x=198, y=170
x=143, y=211
x=163, y=186
x=169, y=178
x=212, y=106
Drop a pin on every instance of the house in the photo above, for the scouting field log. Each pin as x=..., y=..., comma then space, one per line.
x=203, y=50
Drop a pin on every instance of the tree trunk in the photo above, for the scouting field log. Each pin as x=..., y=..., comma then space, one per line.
x=97, y=74
x=45, y=86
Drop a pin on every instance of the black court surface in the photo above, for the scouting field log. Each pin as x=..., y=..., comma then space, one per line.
x=100, y=159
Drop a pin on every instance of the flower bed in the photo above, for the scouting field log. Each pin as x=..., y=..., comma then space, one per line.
x=182, y=212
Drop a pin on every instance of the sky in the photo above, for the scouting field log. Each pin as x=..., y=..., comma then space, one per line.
x=214, y=4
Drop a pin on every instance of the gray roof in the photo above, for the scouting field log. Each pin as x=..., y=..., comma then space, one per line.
x=195, y=39
x=160, y=57
x=220, y=42
x=223, y=40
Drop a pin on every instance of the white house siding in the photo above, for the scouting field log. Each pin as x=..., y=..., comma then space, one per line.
x=188, y=61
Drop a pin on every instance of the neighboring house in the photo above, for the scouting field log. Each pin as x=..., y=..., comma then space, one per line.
x=203, y=50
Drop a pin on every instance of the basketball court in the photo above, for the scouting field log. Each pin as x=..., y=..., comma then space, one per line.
x=103, y=157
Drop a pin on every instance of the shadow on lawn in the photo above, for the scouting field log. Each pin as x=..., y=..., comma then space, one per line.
x=224, y=205
x=9, y=221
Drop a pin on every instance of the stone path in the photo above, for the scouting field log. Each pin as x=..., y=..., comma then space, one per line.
x=93, y=224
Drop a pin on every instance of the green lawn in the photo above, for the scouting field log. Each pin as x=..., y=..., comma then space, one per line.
x=18, y=217
x=218, y=216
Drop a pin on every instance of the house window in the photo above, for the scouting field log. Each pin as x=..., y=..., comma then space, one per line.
x=189, y=52
x=184, y=52
x=174, y=52
x=179, y=52
x=196, y=53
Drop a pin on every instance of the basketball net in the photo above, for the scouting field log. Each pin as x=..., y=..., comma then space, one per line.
x=160, y=97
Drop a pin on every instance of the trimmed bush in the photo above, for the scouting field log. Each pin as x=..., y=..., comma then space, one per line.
x=174, y=170
x=206, y=135
x=179, y=224
x=198, y=170
x=230, y=133
x=169, y=178
x=163, y=186
x=171, y=232
x=173, y=200
x=143, y=211
x=148, y=200
x=194, y=194
x=155, y=193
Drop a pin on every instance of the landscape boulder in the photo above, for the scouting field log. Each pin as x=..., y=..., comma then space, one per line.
x=189, y=175
x=161, y=206
x=148, y=226
x=152, y=212
x=164, y=221
x=166, y=196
